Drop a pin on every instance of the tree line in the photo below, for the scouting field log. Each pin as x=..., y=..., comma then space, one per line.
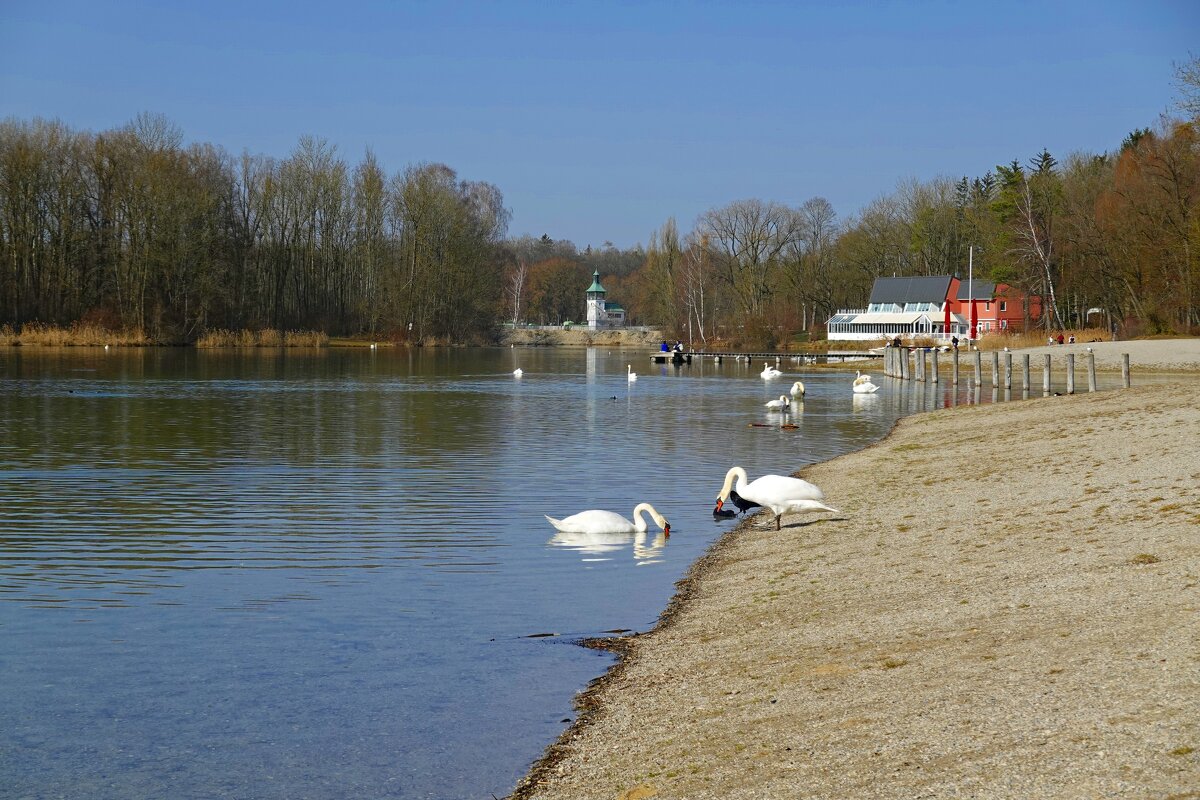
x=1105, y=240
x=131, y=228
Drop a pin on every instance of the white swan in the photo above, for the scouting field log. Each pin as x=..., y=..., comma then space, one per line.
x=630, y=375
x=865, y=387
x=779, y=493
x=518, y=372
x=782, y=404
x=770, y=372
x=607, y=522
x=861, y=378
x=797, y=389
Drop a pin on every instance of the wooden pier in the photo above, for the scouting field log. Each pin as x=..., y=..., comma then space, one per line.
x=921, y=364
x=686, y=357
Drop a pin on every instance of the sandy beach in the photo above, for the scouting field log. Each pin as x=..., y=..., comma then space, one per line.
x=1029, y=627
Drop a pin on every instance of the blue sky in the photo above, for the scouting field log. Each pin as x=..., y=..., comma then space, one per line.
x=598, y=121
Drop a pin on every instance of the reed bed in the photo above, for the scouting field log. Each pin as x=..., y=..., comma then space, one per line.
x=80, y=334
x=1015, y=341
x=268, y=337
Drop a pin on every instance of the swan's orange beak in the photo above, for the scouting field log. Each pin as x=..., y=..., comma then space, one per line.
x=720, y=503
x=667, y=529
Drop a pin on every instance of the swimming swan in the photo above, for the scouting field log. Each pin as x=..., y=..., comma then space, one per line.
x=864, y=387
x=770, y=372
x=797, y=389
x=779, y=493
x=782, y=404
x=518, y=372
x=630, y=375
x=608, y=522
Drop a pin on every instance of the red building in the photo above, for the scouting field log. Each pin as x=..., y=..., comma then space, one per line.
x=935, y=306
x=997, y=306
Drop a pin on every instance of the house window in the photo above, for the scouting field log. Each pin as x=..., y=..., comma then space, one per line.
x=987, y=306
x=1003, y=305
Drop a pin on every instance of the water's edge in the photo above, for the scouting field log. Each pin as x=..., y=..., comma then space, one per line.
x=590, y=701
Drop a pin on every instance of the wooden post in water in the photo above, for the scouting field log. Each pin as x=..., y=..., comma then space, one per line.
x=978, y=369
x=995, y=368
x=1070, y=373
x=935, y=366
x=904, y=369
x=955, y=370
x=1007, y=371
x=1046, y=377
x=1125, y=369
x=1091, y=372
x=1025, y=373
x=921, y=365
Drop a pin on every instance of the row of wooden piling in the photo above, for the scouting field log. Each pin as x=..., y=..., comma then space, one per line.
x=923, y=365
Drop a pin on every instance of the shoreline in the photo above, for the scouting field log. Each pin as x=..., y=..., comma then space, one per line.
x=914, y=655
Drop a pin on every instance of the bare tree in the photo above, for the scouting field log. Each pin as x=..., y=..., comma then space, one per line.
x=514, y=286
x=747, y=240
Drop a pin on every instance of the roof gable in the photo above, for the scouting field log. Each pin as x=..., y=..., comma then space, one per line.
x=913, y=289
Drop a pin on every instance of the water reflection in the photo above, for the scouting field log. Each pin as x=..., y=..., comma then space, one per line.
x=595, y=544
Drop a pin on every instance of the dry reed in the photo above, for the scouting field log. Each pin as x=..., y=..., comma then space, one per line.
x=1015, y=341
x=80, y=334
x=269, y=337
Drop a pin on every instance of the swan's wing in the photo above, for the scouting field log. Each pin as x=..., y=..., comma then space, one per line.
x=800, y=506
x=776, y=489
x=593, y=521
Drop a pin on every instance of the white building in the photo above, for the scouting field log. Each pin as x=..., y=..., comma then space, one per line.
x=601, y=313
x=906, y=307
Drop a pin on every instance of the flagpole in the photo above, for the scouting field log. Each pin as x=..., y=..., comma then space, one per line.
x=970, y=293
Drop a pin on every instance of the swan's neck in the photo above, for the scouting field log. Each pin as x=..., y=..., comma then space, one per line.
x=736, y=472
x=639, y=524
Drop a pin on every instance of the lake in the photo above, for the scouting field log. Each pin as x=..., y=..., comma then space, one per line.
x=321, y=574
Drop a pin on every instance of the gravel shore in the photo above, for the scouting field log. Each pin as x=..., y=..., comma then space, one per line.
x=1029, y=628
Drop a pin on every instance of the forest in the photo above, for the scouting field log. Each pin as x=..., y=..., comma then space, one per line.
x=132, y=229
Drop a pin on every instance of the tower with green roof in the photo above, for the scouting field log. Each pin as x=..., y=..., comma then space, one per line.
x=596, y=314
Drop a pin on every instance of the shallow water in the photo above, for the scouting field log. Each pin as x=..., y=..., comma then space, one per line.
x=319, y=573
